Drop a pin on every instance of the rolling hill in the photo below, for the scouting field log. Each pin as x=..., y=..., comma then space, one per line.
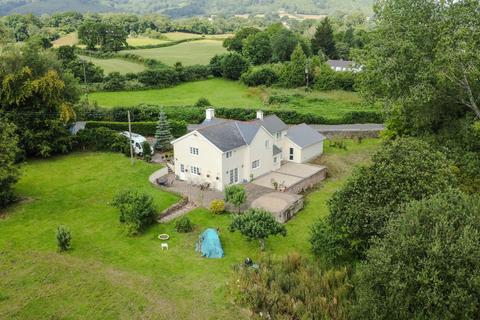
x=186, y=8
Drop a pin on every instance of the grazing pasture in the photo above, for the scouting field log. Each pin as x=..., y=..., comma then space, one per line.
x=116, y=65
x=108, y=275
x=188, y=53
x=70, y=39
x=144, y=41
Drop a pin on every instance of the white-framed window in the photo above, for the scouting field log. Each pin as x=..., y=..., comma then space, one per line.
x=275, y=159
x=182, y=168
x=228, y=154
x=291, y=154
x=279, y=135
x=267, y=144
x=255, y=164
x=195, y=170
x=233, y=175
x=194, y=151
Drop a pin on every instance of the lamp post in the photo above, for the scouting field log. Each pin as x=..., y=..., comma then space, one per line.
x=306, y=76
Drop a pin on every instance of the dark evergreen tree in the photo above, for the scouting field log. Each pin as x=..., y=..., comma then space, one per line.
x=323, y=39
x=163, y=135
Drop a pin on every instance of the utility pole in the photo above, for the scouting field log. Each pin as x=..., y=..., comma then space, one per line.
x=306, y=75
x=85, y=79
x=130, y=137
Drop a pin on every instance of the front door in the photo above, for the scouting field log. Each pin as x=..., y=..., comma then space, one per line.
x=233, y=176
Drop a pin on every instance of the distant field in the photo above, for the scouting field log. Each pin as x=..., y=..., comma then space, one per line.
x=144, y=41
x=219, y=92
x=70, y=39
x=116, y=65
x=175, y=36
x=223, y=93
x=188, y=53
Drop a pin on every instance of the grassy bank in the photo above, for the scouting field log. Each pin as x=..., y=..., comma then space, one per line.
x=116, y=65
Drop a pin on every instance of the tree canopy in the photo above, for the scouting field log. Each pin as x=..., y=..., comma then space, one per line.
x=9, y=172
x=428, y=264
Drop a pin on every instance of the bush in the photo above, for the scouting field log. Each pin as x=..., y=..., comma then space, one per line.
x=293, y=287
x=194, y=73
x=259, y=76
x=114, y=82
x=202, y=103
x=159, y=78
x=233, y=65
x=136, y=210
x=217, y=206
x=178, y=128
x=184, y=225
x=235, y=195
x=401, y=171
x=428, y=264
x=64, y=238
x=101, y=139
x=147, y=151
x=216, y=64
x=9, y=172
x=327, y=79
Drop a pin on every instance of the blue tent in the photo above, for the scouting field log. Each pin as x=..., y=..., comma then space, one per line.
x=210, y=244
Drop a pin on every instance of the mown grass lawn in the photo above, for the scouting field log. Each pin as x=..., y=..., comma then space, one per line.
x=188, y=53
x=116, y=65
x=218, y=91
x=225, y=93
x=108, y=275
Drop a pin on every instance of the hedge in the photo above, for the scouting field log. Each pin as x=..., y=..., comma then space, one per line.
x=191, y=114
x=178, y=128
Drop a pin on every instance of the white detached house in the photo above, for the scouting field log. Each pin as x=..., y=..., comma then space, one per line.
x=221, y=152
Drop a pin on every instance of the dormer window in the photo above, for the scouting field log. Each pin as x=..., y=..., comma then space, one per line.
x=279, y=135
x=228, y=154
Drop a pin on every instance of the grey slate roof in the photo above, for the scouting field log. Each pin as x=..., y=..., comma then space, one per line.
x=225, y=135
x=272, y=123
x=248, y=130
x=303, y=135
x=276, y=150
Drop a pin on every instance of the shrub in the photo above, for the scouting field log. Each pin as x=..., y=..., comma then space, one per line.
x=216, y=64
x=136, y=210
x=202, y=102
x=64, y=238
x=257, y=224
x=428, y=264
x=327, y=79
x=259, y=76
x=114, y=82
x=235, y=195
x=9, y=172
x=217, y=206
x=101, y=139
x=293, y=287
x=193, y=73
x=233, y=65
x=160, y=78
x=184, y=225
x=147, y=151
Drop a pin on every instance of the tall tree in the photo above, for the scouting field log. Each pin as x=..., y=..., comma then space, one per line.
x=323, y=39
x=163, y=135
x=283, y=43
x=235, y=43
x=422, y=62
x=37, y=97
x=8, y=170
x=88, y=34
x=257, y=48
x=428, y=264
x=293, y=73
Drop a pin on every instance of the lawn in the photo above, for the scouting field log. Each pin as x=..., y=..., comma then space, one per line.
x=188, y=53
x=108, y=275
x=116, y=65
x=224, y=93
x=218, y=91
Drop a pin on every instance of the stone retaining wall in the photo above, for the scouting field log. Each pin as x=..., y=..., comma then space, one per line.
x=309, y=182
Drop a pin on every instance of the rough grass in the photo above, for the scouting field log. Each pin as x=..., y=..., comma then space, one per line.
x=70, y=39
x=108, y=275
x=188, y=53
x=218, y=91
x=116, y=65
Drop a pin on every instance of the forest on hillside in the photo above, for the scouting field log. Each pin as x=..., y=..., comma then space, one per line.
x=186, y=8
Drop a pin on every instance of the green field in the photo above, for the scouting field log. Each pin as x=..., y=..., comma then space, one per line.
x=188, y=53
x=116, y=65
x=218, y=91
x=144, y=41
x=224, y=93
x=108, y=275
x=175, y=36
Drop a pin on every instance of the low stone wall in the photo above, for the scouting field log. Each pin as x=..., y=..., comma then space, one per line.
x=309, y=182
x=288, y=213
x=350, y=134
x=174, y=207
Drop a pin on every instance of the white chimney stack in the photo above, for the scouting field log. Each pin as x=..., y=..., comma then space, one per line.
x=209, y=114
x=260, y=114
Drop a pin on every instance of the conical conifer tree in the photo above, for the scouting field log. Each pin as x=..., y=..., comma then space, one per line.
x=163, y=135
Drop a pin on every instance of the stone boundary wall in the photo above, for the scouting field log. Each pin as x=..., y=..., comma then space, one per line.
x=174, y=207
x=291, y=211
x=349, y=134
x=308, y=183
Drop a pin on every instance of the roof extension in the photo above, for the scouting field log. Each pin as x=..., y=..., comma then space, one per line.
x=303, y=135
